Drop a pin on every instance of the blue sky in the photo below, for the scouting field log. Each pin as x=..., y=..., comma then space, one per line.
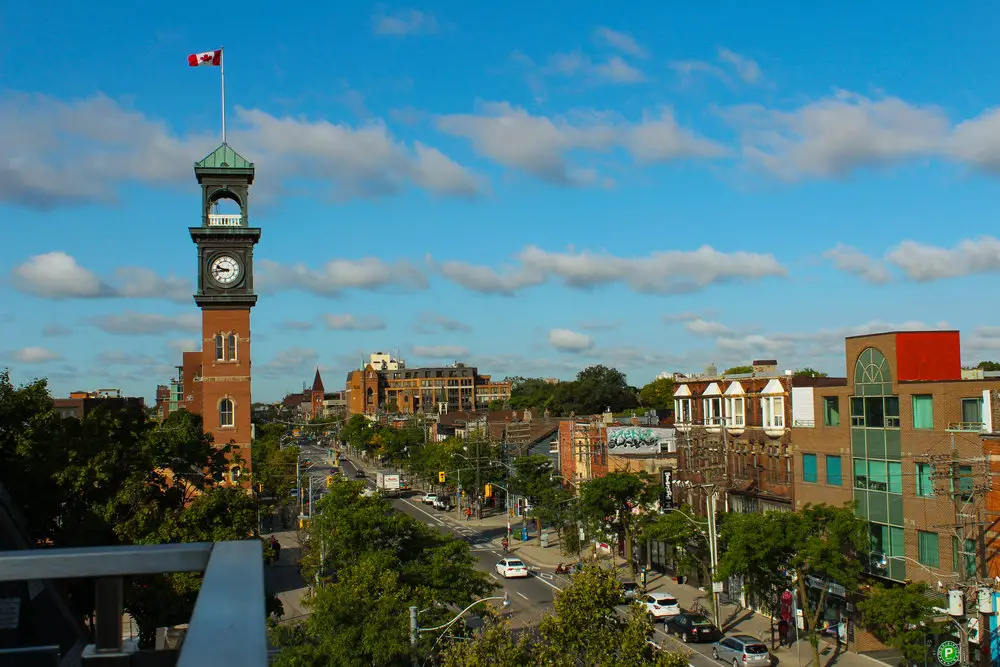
x=528, y=188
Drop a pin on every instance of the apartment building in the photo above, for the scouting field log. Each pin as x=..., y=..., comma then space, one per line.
x=81, y=403
x=734, y=434
x=911, y=443
x=386, y=384
x=583, y=449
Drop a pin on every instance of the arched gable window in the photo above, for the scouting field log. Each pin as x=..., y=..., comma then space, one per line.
x=234, y=474
x=873, y=405
x=231, y=347
x=220, y=350
x=226, y=412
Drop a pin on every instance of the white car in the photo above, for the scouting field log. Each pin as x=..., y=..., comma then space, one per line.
x=509, y=568
x=428, y=498
x=660, y=605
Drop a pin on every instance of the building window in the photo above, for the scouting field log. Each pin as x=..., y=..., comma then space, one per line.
x=857, y=411
x=809, y=468
x=831, y=411
x=878, y=476
x=774, y=411
x=928, y=550
x=923, y=411
x=231, y=347
x=226, y=412
x=834, y=473
x=972, y=410
x=234, y=474
x=965, y=483
x=735, y=410
x=683, y=410
x=860, y=474
x=220, y=350
x=713, y=410
x=895, y=469
x=925, y=480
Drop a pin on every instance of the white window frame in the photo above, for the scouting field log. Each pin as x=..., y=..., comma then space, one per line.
x=231, y=349
x=711, y=418
x=232, y=413
x=683, y=411
x=220, y=347
x=773, y=408
x=737, y=415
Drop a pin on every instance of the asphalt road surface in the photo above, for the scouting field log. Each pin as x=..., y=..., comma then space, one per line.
x=530, y=598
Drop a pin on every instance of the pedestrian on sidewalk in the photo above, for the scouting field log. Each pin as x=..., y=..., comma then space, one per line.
x=505, y=543
x=275, y=548
x=782, y=633
x=468, y=514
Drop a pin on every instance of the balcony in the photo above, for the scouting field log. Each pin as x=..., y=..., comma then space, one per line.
x=225, y=220
x=227, y=626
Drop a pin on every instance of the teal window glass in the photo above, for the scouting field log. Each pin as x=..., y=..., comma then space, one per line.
x=878, y=477
x=857, y=411
x=809, y=468
x=928, y=549
x=834, y=474
x=965, y=483
x=925, y=480
x=923, y=411
x=860, y=474
x=831, y=411
x=895, y=477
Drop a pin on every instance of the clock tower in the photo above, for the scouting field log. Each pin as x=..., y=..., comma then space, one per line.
x=225, y=295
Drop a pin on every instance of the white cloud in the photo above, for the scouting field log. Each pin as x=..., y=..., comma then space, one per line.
x=924, y=263
x=133, y=323
x=570, y=341
x=667, y=272
x=429, y=322
x=367, y=273
x=57, y=275
x=58, y=153
x=34, y=355
x=620, y=41
x=182, y=345
x=834, y=136
x=851, y=260
x=440, y=351
x=348, y=322
x=921, y=262
x=746, y=68
x=707, y=328
x=53, y=330
x=538, y=145
x=403, y=22
x=292, y=361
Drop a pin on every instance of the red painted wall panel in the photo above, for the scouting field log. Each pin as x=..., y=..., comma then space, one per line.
x=928, y=355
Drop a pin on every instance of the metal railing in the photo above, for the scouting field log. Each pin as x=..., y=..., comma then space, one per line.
x=225, y=220
x=227, y=626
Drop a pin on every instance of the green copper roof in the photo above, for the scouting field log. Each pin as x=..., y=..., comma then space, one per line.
x=224, y=157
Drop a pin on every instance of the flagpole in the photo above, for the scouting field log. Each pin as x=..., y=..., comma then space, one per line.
x=222, y=66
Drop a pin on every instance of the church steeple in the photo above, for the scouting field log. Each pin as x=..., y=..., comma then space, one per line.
x=318, y=382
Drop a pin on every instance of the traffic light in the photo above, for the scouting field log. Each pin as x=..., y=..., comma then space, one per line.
x=489, y=491
x=329, y=480
x=441, y=477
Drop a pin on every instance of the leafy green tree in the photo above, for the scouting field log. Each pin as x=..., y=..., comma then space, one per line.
x=809, y=373
x=685, y=535
x=988, y=365
x=658, y=394
x=901, y=617
x=494, y=646
x=358, y=432
x=115, y=477
x=619, y=500
x=598, y=388
x=738, y=370
x=273, y=467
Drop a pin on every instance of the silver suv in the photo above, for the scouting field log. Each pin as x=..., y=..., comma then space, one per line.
x=742, y=651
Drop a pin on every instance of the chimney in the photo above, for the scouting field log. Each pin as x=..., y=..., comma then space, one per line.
x=765, y=367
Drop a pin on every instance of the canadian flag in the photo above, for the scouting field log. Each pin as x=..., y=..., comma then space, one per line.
x=213, y=58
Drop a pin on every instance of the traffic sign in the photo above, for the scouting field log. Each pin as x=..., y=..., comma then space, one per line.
x=948, y=653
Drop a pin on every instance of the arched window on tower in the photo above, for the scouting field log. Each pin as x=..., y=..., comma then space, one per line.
x=220, y=351
x=226, y=417
x=231, y=347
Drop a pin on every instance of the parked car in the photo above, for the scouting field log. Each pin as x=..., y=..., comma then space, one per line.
x=512, y=567
x=442, y=503
x=742, y=651
x=630, y=591
x=691, y=628
x=660, y=605
x=359, y=473
x=428, y=498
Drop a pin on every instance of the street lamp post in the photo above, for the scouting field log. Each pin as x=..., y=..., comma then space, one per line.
x=713, y=549
x=415, y=630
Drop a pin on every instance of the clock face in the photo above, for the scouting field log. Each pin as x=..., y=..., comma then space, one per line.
x=225, y=270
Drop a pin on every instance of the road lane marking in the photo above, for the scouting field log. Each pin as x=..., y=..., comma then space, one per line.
x=423, y=511
x=494, y=576
x=547, y=583
x=523, y=595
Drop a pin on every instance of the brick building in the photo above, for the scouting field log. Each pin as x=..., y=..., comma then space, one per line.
x=80, y=403
x=583, y=448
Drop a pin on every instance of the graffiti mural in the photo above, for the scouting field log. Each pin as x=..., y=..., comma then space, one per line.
x=640, y=440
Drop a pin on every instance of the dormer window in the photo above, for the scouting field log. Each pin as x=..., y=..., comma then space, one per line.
x=774, y=411
x=736, y=410
x=683, y=410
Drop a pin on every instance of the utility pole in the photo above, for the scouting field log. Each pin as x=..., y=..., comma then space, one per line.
x=713, y=554
x=298, y=484
x=413, y=636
